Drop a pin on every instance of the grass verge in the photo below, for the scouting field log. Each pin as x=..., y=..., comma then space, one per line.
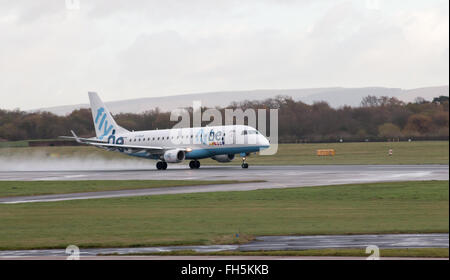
x=215, y=218
x=29, y=188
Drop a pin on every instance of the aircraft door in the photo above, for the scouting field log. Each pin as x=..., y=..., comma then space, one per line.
x=230, y=137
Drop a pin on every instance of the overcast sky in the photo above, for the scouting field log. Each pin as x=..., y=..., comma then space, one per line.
x=52, y=53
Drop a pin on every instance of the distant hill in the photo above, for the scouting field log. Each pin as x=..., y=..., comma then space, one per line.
x=428, y=93
x=336, y=97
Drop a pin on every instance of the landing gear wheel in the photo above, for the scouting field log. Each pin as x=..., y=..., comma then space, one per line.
x=244, y=164
x=194, y=164
x=161, y=165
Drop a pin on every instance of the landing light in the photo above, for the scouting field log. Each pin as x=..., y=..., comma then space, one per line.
x=188, y=150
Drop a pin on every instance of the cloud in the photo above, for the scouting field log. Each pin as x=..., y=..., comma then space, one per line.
x=52, y=56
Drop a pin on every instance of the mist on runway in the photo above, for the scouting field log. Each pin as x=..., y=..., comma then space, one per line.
x=43, y=161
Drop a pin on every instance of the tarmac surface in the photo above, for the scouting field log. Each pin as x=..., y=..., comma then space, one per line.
x=266, y=243
x=275, y=177
x=224, y=258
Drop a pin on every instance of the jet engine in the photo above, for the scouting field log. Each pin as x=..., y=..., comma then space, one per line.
x=174, y=156
x=223, y=158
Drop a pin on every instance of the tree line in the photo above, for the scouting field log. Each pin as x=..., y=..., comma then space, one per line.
x=376, y=118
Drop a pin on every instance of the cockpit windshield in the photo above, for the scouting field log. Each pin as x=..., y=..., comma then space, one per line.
x=248, y=132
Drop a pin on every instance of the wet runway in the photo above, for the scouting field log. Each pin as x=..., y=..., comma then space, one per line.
x=267, y=243
x=275, y=177
x=224, y=258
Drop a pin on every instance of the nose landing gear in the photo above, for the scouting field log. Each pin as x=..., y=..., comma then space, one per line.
x=161, y=165
x=194, y=164
x=244, y=164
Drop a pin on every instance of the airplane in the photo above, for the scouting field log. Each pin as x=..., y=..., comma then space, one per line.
x=220, y=143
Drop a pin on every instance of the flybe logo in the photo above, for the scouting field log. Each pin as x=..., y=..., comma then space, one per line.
x=213, y=138
x=102, y=123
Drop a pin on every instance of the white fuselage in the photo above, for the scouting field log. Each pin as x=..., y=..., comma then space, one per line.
x=199, y=142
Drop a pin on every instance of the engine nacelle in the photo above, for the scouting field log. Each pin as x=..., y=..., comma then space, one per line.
x=223, y=158
x=174, y=156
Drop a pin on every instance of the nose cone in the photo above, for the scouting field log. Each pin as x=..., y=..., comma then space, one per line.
x=263, y=142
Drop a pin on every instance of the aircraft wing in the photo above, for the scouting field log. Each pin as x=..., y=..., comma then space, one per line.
x=102, y=144
x=149, y=149
x=82, y=140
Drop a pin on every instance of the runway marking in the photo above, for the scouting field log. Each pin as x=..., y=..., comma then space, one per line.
x=46, y=179
x=74, y=176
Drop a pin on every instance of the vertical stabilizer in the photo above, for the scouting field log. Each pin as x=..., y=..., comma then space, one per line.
x=103, y=121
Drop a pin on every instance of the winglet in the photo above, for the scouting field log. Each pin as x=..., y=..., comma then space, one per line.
x=75, y=136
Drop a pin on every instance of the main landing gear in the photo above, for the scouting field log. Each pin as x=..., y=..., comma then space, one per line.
x=194, y=164
x=161, y=165
x=244, y=164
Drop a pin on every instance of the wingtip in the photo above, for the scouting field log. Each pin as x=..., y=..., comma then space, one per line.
x=75, y=136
